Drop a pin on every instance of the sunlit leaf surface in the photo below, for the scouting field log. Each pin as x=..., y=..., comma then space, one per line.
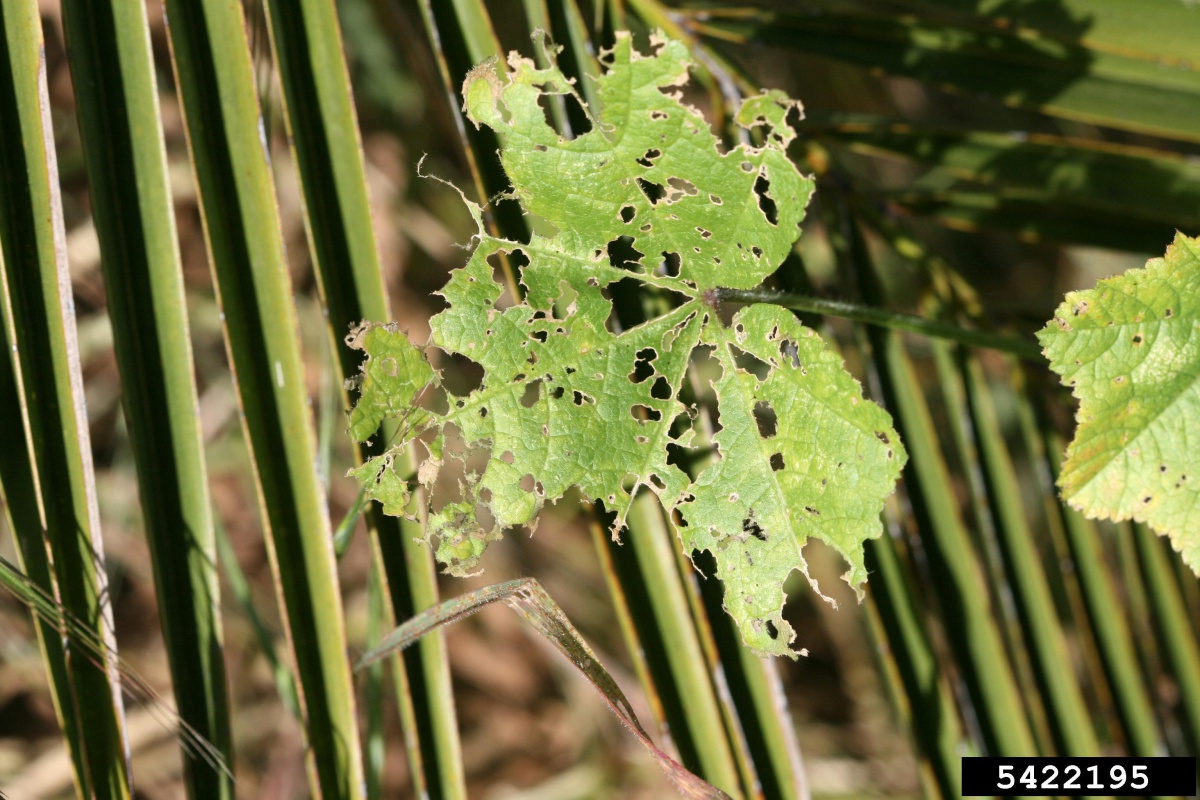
x=1130, y=351
x=571, y=399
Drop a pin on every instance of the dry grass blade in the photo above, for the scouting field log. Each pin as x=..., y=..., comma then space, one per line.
x=527, y=597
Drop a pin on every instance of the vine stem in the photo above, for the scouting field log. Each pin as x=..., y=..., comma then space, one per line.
x=1017, y=346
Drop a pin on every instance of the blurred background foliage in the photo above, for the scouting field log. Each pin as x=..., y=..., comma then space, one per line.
x=975, y=160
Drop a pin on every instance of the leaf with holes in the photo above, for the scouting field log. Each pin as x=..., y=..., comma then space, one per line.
x=1130, y=351
x=571, y=398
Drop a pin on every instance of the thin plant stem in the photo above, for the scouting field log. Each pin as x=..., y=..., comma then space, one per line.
x=1020, y=347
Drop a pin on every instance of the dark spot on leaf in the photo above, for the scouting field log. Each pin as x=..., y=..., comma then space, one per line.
x=658, y=115
x=1137, y=338
x=777, y=462
x=557, y=393
x=812, y=510
x=754, y=529
x=1168, y=312
x=1147, y=499
x=883, y=437
x=772, y=631
x=483, y=411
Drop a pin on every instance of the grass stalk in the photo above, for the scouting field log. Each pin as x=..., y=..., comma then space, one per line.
x=223, y=120
x=47, y=375
x=119, y=120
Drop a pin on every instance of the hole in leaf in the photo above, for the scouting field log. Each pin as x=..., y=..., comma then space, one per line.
x=625, y=297
x=790, y=352
x=670, y=265
x=642, y=368
x=527, y=482
x=751, y=363
x=541, y=336
x=623, y=255
x=764, y=416
x=747, y=166
x=658, y=115
x=533, y=390
x=507, y=457
x=627, y=214
x=483, y=411
x=683, y=186
x=1137, y=338
x=772, y=631
x=661, y=390
x=765, y=203
x=647, y=159
x=642, y=413
x=754, y=529
x=580, y=398
x=716, y=201
x=654, y=191
x=557, y=393
x=777, y=462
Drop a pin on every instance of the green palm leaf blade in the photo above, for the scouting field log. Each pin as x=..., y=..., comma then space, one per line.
x=55, y=501
x=1129, y=351
x=126, y=160
x=324, y=133
x=242, y=230
x=567, y=402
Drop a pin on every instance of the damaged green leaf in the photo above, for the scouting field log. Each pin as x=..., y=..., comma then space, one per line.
x=1130, y=351
x=571, y=399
